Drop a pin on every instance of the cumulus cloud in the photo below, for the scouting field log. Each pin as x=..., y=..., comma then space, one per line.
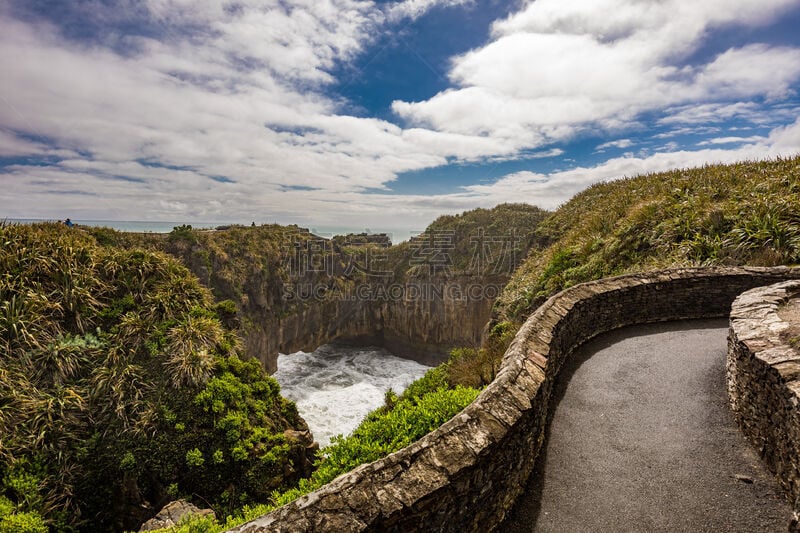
x=621, y=143
x=558, y=68
x=785, y=140
x=215, y=110
x=413, y=9
x=238, y=121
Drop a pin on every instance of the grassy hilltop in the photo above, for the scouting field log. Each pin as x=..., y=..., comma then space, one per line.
x=740, y=214
x=501, y=237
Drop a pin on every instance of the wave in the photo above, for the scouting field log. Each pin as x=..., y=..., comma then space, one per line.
x=335, y=387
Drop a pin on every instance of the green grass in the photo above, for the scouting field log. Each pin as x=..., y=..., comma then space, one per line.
x=740, y=214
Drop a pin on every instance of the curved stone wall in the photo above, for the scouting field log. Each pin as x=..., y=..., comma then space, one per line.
x=466, y=475
x=764, y=380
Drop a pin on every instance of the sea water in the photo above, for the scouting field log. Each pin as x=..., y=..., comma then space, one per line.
x=133, y=226
x=335, y=387
x=139, y=226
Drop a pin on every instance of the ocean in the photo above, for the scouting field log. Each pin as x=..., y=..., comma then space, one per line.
x=133, y=226
x=335, y=387
x=139, y=226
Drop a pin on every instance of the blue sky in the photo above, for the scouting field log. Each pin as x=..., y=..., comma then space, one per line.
x=379, y=114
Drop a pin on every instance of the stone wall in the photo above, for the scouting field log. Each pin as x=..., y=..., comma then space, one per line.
x=764, y=380
x=466, y=475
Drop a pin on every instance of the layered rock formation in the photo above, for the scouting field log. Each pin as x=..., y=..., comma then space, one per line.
x=295, y=291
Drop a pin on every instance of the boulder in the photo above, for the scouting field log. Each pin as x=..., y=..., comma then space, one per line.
x=172, y=513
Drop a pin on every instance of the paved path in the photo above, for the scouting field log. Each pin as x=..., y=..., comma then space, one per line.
x=642, y=440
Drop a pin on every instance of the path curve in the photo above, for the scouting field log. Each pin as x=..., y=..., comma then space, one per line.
x=641, y=439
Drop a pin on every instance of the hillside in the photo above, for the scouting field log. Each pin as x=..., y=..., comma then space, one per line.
x=479, y=242
x=122, y=386
x=741, y=214
x=734, y=214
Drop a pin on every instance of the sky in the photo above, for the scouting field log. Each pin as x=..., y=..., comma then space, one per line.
x=377, y=114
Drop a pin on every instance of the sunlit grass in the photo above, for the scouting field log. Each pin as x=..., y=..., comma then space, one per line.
x=740, y=214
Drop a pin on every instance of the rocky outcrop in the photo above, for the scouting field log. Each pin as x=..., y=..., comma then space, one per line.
x=420, y=318
x=310, y=327
x=466, y=475
x=172, y=514
x=438, y=314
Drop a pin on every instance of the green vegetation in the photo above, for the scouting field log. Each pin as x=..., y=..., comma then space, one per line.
x=423, y=407
x=382, y=432
x=122, y=382
x=477, y=367
x=247, y=267
x=740, y=214
x=482, y=242
x=120, y=387
x=141, y=393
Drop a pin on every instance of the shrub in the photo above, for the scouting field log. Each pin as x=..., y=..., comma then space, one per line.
x=382, y=433
x=107, y=358
x=23, y=523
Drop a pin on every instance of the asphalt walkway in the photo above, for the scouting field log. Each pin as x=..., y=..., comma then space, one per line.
x=641, y=439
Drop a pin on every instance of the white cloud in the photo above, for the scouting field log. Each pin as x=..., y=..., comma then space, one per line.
x=731, y=140
x=13, y=146
x=215, y=120
x=553, y=152
x=558, y=68
x=413, y=9
x=621, y=143
x=785, y=140
x=128, y=108
x=755, y=69
x=710, y=113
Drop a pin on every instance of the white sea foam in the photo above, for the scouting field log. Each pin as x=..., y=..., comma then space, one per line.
x=335, y=387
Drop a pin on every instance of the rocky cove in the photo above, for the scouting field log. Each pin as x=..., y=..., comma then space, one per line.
x=420, y=320
x=294, y=291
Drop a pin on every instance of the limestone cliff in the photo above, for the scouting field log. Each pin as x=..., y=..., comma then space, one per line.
x=437, y=315
x=295, y=291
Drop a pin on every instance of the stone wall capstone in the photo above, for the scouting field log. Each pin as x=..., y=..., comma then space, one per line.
x=467, y=474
